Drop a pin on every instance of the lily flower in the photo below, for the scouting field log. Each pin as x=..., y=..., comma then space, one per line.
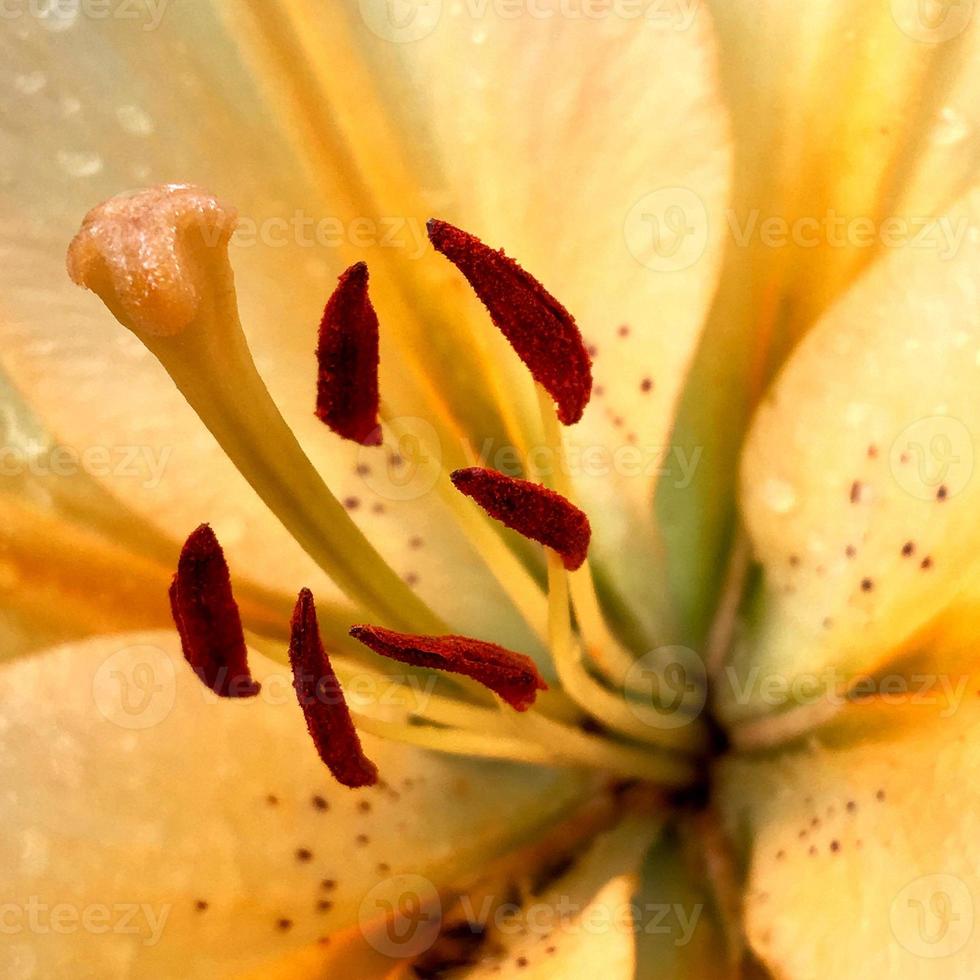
x=519, y=517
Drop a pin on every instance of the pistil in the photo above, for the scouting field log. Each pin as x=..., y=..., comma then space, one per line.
x=159, y=261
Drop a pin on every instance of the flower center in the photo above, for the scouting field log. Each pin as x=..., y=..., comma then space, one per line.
x=159, y=261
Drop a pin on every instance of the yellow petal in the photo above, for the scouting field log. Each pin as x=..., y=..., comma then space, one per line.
x=128, y=785
x=857, y=481
x=862, y=858
x=581, y=923
x=855, y=123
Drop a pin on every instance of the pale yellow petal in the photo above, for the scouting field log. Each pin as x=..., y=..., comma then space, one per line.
x=858, y=482
x=855, y=123
x=127, y=784
x=582, y=922
x=861, y=857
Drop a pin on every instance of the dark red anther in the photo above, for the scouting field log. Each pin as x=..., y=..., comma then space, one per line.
x=532, y=510
x=347, y=357
x=511, y=676
x=538, y=327
x=322, y=700
x=207, y=618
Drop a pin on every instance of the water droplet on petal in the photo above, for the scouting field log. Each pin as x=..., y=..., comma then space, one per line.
x=135, y=121
x=951, y=127
x=79, y=163
x=778, y=495
x=30, y=83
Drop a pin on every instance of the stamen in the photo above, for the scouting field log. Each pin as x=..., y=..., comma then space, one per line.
x=530, y=509
x=511, y=676
x=538, y=327
x=159, y=261
x=207, y=618
x=347, y=354
x=322, y=700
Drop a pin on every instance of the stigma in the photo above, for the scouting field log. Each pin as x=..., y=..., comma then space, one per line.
x=150, y=255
